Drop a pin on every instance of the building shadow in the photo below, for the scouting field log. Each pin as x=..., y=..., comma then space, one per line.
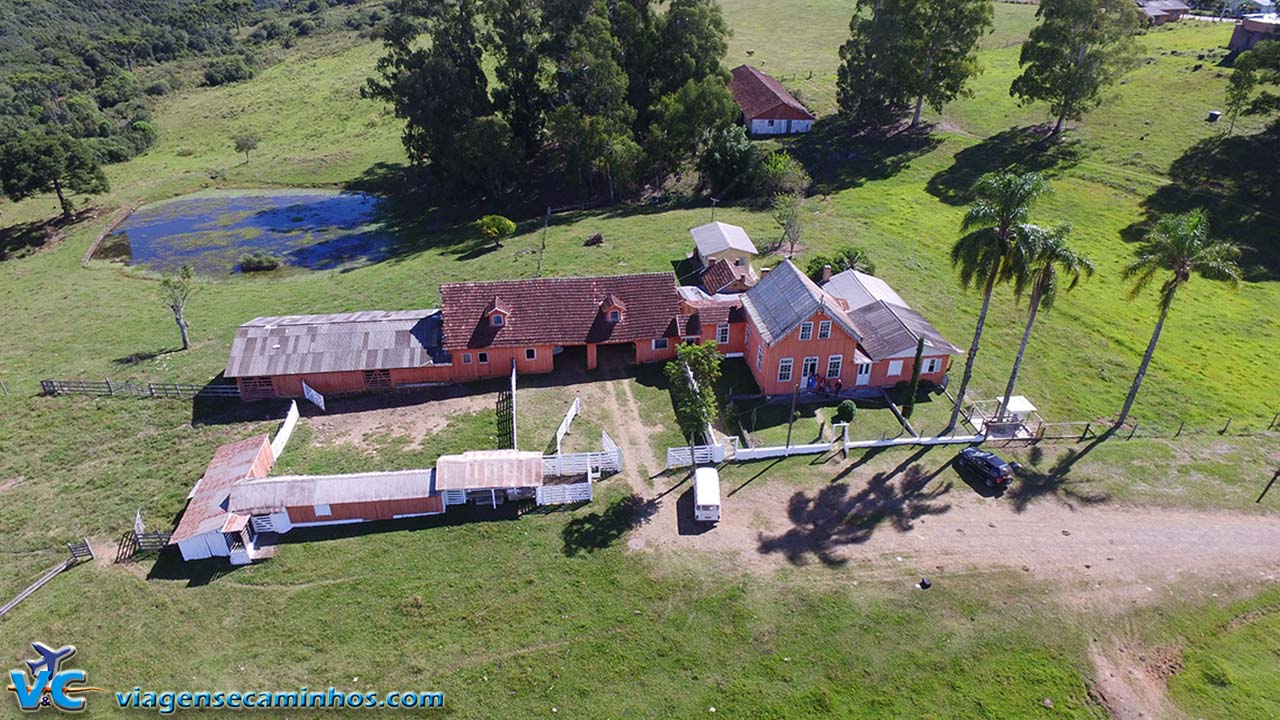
x=834, y=516
x=839, y=156
x=1235, y=179
x=599, y=530
x=169, y=565
x=1018, y=149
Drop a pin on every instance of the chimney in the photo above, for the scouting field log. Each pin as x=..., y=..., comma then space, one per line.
x=826, y=273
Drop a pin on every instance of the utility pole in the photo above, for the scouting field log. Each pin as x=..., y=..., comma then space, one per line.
x=791, y=417
x=546, y=220
x=714, y=201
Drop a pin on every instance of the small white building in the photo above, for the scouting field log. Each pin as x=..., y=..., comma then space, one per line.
x=767, y=107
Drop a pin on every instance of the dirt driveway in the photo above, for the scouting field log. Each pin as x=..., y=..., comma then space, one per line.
x=1096, y=556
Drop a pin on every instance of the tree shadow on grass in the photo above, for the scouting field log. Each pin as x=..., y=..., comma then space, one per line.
x=833, y=517
x=1054, y=483
x=1019, y=149
x=1236, y=180
x=23, y=239
x=839, y=157
x=586, y=534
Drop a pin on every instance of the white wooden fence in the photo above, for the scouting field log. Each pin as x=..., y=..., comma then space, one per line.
x=729, y=451
x=574, y=409
x=565, y=494
x=606, y=461
x=285, y=431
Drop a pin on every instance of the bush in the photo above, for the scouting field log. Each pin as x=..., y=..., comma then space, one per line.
x=158, y=88
x=845, y=411
x=260, y=261
x=782, y=174
x=227, y=70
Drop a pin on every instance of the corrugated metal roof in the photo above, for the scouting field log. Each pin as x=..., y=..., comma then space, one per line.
x=889, y=326
x=368, y=340
x=785, y=297
x=484, y=469
x=206, y=511
x=273, y=494
x=861, y=289
x=717, y=237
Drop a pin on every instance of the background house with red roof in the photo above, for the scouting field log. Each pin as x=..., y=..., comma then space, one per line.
x=767, y=107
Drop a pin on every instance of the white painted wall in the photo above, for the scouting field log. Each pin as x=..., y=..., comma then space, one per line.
x=761, y=126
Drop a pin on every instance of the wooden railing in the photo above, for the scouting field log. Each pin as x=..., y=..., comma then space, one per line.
x=109, y=388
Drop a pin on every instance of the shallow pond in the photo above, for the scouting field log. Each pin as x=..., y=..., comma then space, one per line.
x=312, y=229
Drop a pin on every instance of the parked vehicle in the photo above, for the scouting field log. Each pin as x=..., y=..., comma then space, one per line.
x=706, y=495
x=990, y=467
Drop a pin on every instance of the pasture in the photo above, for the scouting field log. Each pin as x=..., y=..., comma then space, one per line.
x=559, y=611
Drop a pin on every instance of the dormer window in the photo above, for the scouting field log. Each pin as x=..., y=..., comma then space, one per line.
x=615, y=316
x=498, y=320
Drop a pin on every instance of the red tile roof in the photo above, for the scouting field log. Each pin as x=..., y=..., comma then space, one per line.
x=721, y=275
x=559, y=311
x=712, y=313
x=761, y=96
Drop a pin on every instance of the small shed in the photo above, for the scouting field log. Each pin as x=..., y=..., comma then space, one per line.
x=767, y=107
x=309, y=500
x=722, y=241
x=489, y=476
x=205, y=530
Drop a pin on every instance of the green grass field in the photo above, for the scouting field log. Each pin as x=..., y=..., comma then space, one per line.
x=516, y=618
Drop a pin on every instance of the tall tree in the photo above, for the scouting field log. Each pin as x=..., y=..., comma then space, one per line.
x=1255, y=69
x=436, y=89
x=788, y=212
x=591, y=76
x=39, y=161
x=693, y=376
x=692, y=40
x=1051, y=260
x=175, y=290
x=1181, y=246
x=1077, y=50
x=517, y=40
x=874, y=61
x=991, y=251
x=945, y=42
x=686, y=121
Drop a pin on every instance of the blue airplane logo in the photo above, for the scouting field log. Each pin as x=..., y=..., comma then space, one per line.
x=50, y=659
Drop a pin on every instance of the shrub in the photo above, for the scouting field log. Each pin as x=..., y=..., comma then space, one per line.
x=780, y=173
x=227, y=70
x=496, y=227
x=158, y=88
x=845, y=411
x=259, y=261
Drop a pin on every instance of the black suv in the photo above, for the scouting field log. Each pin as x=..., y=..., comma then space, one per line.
x=993, y=469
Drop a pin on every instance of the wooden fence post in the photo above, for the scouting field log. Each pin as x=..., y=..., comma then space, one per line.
x=1225, y=428
x=1085, y=435
x=1132, y=432
x=1181, y=425
x=1274, y=419
x=110, y=390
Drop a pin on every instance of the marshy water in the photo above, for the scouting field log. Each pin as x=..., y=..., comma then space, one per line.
x=311, y=229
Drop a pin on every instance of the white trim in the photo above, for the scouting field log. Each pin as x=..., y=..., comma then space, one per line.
x=734, y=355
x=320, y=523
x=414, y=515
x=824, y=330
x=498, y=320
x=531, y=353
x=482, y=358
x=760, y=358
x=322, y=510
x=722, y=331
x=466, y=358
x=810, y=360
x=895, y=368
x=653, y=344
x=931, y=365
x=806, y=330
x=862, y=378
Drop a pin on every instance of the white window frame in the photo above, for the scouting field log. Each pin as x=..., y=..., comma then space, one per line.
x=323, y=510
x=615, y=316
x=808, y=367
x=466, y=358
x=895, y=368
x=531, y=353
x=806, y=330
x=836, y=362
x=759, y=358
x=722, y=334
x=786, y=369
x=664, y=346
x=824, y=330
x=498, y=320
x=931, y=365
x=483, y=358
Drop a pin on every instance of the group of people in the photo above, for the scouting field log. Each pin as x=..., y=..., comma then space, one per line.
x=818, y=384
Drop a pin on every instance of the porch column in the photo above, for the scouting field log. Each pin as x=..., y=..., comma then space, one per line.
x=591, y=356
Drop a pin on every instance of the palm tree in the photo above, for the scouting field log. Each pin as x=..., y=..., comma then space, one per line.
x=989, y=252
x=1179, y=244
x=1050, y=258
